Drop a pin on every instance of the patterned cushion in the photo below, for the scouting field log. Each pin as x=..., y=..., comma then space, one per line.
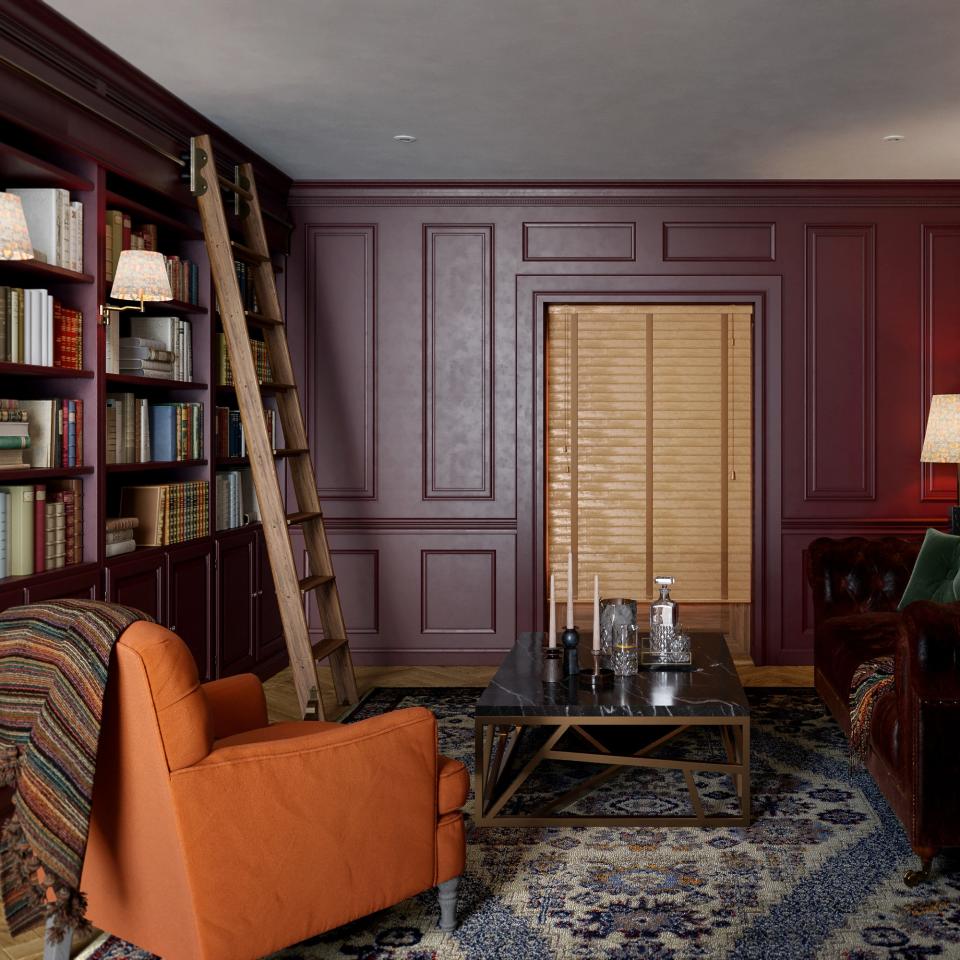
x=871, y=681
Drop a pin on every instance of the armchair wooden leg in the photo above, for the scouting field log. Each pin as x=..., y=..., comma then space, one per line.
x=913, y=877
x=56, y=951
x=447, y=892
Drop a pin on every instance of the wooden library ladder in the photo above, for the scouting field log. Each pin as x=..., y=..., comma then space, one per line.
x=207, y=186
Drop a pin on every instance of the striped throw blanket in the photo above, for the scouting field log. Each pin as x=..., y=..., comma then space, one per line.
x=53, y=671
x=871, y=681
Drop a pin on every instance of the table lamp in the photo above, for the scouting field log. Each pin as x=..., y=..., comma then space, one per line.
x=941, y=442
x=141, y=275
x=14, y=237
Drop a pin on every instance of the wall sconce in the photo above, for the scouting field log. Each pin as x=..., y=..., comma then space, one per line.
x=14, y=237
x=941, y=441
x=141, y=275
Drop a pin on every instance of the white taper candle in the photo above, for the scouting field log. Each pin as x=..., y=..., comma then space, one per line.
x=552, y=635
x=596, y=614
x=570, y=590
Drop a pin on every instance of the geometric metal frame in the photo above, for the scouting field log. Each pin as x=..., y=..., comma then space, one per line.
x=498, y=736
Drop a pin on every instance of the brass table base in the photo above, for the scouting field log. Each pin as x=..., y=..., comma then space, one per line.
x=497, y=738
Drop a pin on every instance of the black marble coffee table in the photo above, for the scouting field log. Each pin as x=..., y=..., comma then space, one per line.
x=605, y=724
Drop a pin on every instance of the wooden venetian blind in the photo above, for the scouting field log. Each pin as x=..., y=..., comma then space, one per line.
x=649, y=435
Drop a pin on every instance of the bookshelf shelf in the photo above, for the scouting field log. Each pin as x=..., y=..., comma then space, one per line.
x=148, y=551
x=153, y=465
x=152, y=383
x=34, y=579
x=30, y=474
x=281, y=454
x=267, y=389
x=21, y=169
x=36, y=271
x=36, y=370
x=165, y=307
x=117, y=201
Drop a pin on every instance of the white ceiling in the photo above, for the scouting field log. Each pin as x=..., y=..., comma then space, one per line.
x=561, y=89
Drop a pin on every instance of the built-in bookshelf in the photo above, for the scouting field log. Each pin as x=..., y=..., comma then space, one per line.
x=119, y=211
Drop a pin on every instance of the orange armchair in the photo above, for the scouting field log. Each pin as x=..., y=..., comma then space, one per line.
x=215, y=836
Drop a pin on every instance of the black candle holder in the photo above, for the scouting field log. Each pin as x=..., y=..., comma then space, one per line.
x=571, y=661
x=552, y=665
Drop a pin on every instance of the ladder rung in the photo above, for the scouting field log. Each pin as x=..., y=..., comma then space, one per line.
x=259, y=320
x=323, y=648
x=241, y=252
x=234, y=188
x=311, y=583
x=302, y=516
x=290, y=451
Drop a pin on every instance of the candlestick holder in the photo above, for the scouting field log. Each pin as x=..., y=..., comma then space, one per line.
x=596, y=677
x=552, y=665
x=571, y=662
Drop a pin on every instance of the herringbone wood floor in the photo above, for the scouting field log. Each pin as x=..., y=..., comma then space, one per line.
x=282, y=705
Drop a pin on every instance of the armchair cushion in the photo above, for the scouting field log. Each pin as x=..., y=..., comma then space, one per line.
x=936, y=574
x=453, y=784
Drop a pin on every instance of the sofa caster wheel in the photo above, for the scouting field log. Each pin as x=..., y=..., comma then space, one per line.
x=914, y=877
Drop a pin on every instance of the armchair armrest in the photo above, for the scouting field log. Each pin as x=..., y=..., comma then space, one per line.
x=857, y=575
x=927, y=677
x=236, y=705
x=350, y=809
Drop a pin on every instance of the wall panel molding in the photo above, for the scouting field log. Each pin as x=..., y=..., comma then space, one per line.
x=939, y=344
x=362, y=614
x=840, y=352
x=453, y=597
x=580, y=242
x=340, y=392
x=458, y=351
x=699, y=241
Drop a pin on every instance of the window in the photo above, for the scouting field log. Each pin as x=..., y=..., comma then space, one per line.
x=649, y=441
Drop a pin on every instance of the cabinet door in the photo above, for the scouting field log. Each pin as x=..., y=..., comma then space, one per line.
x=68, y=586
x=138, y=580
x=236, y=602
x=270, y=627
x=11, y=597
x=189, y=607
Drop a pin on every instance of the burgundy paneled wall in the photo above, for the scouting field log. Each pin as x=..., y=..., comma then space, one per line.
x=416, y=313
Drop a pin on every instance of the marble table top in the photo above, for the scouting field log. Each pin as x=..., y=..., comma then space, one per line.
x=711, y=689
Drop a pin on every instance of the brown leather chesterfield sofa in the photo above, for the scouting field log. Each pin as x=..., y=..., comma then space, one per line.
x=914, y=743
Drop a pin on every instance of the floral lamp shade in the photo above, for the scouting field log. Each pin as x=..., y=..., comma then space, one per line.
x=141, y=275
x=14, y=237
x=941, y=442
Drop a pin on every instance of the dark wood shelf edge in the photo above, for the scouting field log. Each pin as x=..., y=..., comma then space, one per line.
x=29, y=579
x=153, y=382
x=154, y=465
x=16, y=474
x=40, y=269
x=35, y=370
x=147, y=214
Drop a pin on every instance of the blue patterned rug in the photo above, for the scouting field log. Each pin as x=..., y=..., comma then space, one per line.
x=817, y=875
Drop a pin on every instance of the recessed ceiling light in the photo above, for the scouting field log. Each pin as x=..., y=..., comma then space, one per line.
x=405, y=138
x=893, y=138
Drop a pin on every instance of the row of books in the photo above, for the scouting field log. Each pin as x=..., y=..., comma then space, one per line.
x=41, y=433
x=168, y=513
x=141, y=431
x=248, y=291
x=41, y=527
x=236, y=499
x=120, y=537
x=157, y=347
x=55, y=223
x=119, y=235
x=261, y=361
x=36, y=328
x=230, y=440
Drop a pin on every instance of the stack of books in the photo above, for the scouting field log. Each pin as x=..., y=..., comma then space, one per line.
x=230, y=439
x=141, y=431
x=143, y=357
x=261, y=361
x=55, y=224
x=120, y=536
x=14, y=435
x=36, y=328
x=41, y=433
x=168, y=512
x=236, y=499
x=247, y=288
x=42, y=527
x=157, y=347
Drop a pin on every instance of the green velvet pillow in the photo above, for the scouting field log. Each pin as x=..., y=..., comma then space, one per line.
x=936, y=575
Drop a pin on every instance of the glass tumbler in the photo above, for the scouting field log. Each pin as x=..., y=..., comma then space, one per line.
x=626, y=650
